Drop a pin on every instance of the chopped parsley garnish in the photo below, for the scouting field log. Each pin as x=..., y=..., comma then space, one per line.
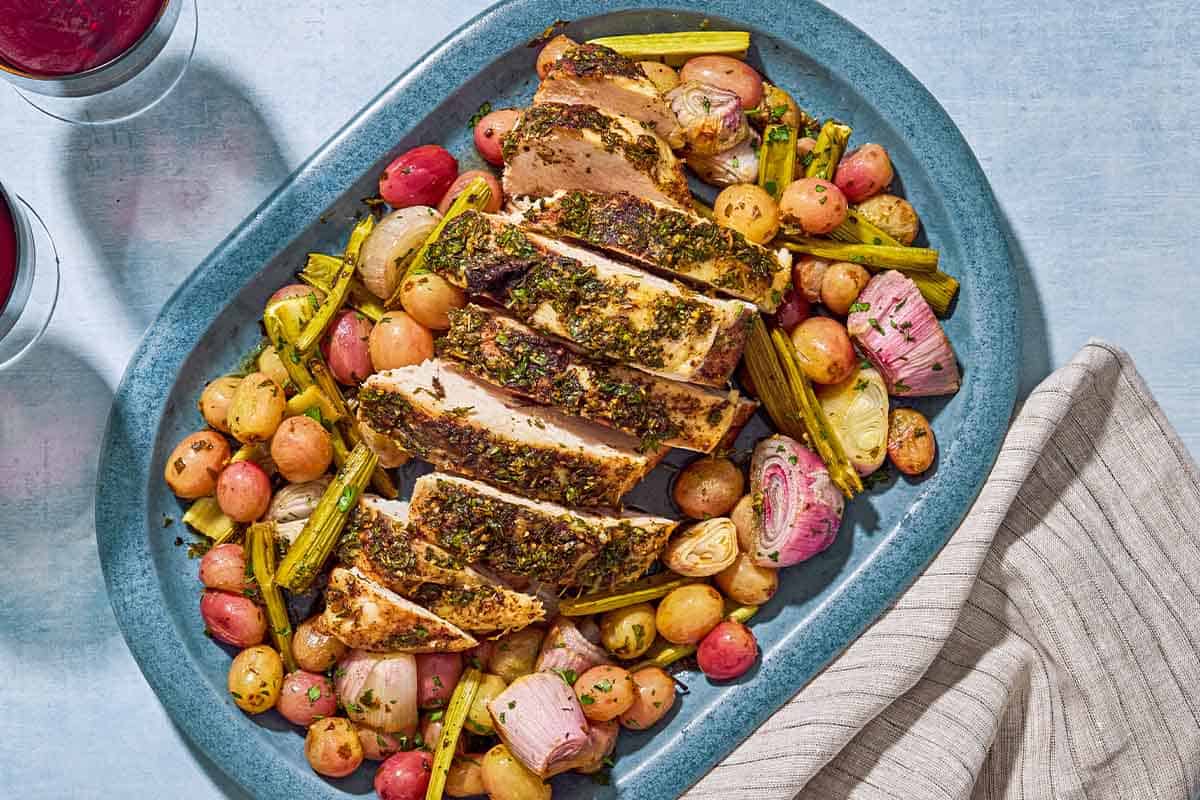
x=860, y=307
x=482, y=112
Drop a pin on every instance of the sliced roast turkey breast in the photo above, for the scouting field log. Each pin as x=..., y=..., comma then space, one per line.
x=558, y=146
x=539, y=540
x=442, y=415
x=665, y=239
x=595, y=75
x=608, y=310
x=658, y=411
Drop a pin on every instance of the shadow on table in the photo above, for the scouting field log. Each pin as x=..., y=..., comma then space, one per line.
x=156, y=193
x=1034, y=363
x=229, y=789
x=49, y=587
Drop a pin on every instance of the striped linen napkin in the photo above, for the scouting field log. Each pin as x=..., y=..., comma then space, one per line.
x=1052, y=648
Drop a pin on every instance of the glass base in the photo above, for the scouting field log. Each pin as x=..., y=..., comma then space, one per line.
x=35, y=314
x=139, y=93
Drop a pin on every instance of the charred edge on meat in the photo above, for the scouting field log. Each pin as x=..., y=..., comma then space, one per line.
x=670, y=239
x=596, y=60
x=506, y=266
x=727, y=349
x=642, y=152
x=535, y=366
x=542, y=473
x=525, y=541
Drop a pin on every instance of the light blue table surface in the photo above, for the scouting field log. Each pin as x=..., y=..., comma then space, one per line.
x=1084, y=115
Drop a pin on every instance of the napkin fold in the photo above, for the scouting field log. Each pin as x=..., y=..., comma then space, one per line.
x=1050, y=650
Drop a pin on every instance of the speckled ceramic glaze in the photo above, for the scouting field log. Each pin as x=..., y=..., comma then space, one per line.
x=889, y=535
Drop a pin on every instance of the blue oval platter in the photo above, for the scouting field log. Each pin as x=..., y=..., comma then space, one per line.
x=890, y=533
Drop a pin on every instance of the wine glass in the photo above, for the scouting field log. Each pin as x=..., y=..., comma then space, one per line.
x=28, y=277
x=95, y=61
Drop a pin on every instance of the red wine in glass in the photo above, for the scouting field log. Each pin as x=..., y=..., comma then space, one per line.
x=66, y=37
x=8, y=252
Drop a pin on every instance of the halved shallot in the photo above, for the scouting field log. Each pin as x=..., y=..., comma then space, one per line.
x=566, y=651
x=711, y=119
x=894, y=326
x=379, y=690
x=798, y=509
x=540, y=720
x=704, y=549
x=602, y=738
x=857, y=410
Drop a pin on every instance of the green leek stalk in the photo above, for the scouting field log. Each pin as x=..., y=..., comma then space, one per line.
x=474, y=197
x=769, y=379
x=284, y=320
x=663, y=654
x=908, y=260
x=312, y=397
x=321, y=271
x=827, y=152
x=316, y=540
x=380, y=480
x=777, y=159
x=676, y=48
x=935, y=286
x=642, y=591
x=452, y=725
x=336, y=297
x=820, y=435
x=260, y=550
x=857, y=228
x=206, y=518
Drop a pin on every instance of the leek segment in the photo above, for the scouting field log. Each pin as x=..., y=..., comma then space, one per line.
x=474, y=197
x=452, y=725
x=676, y=48
x=260, y=549
x=642, y=591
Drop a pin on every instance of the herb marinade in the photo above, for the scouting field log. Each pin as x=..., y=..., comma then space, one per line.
x=521, y=360
x=666, y=239
x=610, y=317
x=390, y=553
x=453, y=441
x=546, y=544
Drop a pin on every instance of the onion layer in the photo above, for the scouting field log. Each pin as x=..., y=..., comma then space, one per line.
x=799, y=510
x=539, y=717
x=389, y=246
x=602, y=738
x=857, y=409
x=738, y=164
x=565, y=650
x=896, y=329
x=379, y=690
x=711, y=119
x=704, y=549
